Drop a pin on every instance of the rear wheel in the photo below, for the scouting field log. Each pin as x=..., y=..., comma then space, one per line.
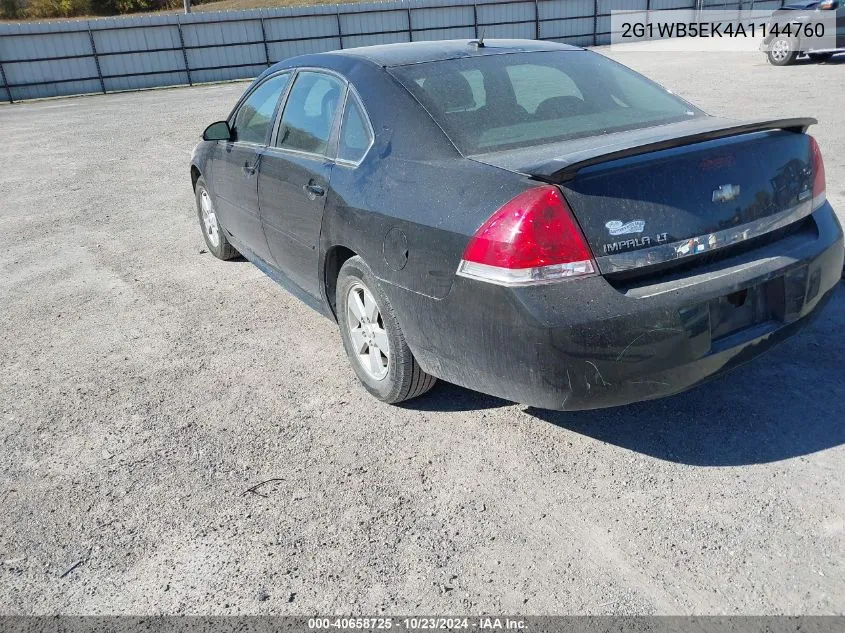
x=373, y=338
x=215, y=240
x=782, y=52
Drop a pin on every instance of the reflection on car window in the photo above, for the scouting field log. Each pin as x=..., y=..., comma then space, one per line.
x=309, y=113
x=462, y=91
x=476, y=84
x=535, y=84
x=355, y=137
x=253, y=120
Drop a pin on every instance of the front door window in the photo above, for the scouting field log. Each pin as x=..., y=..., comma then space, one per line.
x=255, y=116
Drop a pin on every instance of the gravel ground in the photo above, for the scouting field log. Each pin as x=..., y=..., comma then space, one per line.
x=146, y=387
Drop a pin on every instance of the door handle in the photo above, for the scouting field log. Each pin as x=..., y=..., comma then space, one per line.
x=249, y=170
x=313, y=190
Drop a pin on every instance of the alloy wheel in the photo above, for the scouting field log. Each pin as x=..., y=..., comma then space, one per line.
x=209, y=219
x=366, y=331
x=780, y=50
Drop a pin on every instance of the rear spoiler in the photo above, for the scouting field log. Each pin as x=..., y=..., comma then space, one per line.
x=564, y=167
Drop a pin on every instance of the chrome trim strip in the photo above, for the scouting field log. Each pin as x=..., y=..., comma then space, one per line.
x=662, y=253
x=271, y=149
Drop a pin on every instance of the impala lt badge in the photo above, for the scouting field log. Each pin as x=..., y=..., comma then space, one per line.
x=726, y=193
x=617, y=227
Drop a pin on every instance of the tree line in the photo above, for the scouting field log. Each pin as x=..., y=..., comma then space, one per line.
x=36, y=9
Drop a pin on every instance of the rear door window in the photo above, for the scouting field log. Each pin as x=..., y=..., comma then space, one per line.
x=310, y=112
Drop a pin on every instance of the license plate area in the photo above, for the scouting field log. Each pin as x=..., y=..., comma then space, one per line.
x=744, y=308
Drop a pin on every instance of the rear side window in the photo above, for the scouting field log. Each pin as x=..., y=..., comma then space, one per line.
x=355, y=134
x=535, y=98
x=255, y=116
x=310, y=112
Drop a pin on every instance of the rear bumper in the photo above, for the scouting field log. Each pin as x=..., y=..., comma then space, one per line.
x=585, y=344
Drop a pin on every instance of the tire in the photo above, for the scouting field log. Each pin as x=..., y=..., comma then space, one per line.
x=783, y=51
x=215, y=240
x=820, y=57
x=393, y=376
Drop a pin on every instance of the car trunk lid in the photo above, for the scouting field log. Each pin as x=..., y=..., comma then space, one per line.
x=657, y=195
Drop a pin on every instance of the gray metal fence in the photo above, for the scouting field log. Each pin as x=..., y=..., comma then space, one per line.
x=128, y=53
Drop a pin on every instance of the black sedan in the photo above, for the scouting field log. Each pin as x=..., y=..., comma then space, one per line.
x=526, y=219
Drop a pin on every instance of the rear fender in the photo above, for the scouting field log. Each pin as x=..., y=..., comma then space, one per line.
x=411, y=220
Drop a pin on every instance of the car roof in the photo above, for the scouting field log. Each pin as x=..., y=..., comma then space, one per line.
x=418, y=52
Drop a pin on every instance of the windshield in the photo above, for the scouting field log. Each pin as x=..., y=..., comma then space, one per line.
x=494, y=102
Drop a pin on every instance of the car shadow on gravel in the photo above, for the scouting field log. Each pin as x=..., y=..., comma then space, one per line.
x=448, y=397
x=703, y=427
x=787, y=403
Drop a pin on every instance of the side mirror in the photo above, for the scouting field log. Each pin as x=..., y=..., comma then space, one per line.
x=219, y=131
x=828, y=5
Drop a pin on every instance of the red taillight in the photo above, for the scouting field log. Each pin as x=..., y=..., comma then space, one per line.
x=532, y=238
x=819, y=195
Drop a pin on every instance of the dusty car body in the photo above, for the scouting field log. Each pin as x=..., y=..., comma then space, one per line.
x=571, y=244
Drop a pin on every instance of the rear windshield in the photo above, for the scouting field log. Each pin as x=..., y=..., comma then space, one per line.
x=494, y=102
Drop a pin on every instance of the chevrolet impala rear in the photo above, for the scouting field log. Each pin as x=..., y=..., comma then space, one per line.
x=526, y=219
x=650, y=248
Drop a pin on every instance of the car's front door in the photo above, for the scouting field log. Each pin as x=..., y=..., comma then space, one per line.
x=294, y=173
x=235, y=179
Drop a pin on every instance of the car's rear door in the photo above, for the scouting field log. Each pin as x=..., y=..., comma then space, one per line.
x=235, y=182
x=294, y=173
x=840, y=24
